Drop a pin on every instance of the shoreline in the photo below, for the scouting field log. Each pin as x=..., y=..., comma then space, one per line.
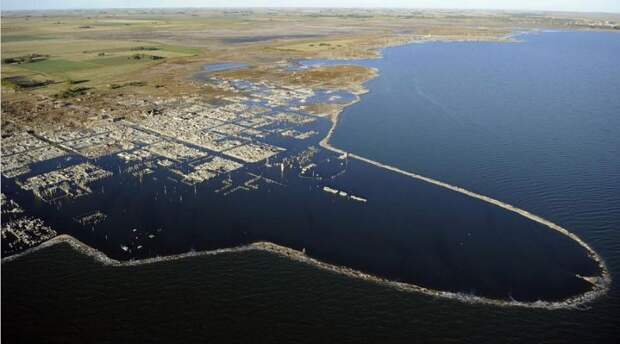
x=600, y=284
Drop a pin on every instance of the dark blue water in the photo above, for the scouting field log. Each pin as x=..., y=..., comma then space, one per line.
x=409, y=230
x=534, y=124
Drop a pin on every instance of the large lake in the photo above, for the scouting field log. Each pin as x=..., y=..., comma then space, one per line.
x=536, y=124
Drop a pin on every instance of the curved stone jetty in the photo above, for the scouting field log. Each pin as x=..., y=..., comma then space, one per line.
x=600, y=284
x=600, y=287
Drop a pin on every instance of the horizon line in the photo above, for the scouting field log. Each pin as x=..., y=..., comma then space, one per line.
x=308, y=7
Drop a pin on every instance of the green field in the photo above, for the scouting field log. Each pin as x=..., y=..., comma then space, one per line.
x=53, y=66
x=113, y=61
x=110, y=61
x=98, y=45
x=24, y=38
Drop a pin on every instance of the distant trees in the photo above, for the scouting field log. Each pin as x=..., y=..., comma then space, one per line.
x=34, y=57
x=144, y=48
x=144, y=56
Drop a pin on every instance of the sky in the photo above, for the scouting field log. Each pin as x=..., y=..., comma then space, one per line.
x=548, y=5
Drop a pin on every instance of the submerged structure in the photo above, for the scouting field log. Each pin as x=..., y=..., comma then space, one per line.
x=257, y=172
